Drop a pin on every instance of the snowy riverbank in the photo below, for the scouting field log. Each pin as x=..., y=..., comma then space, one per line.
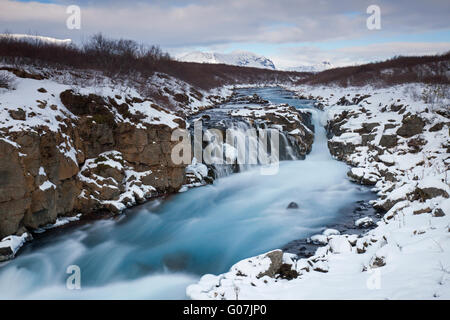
x=400, y=145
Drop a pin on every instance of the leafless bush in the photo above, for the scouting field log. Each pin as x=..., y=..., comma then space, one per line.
x=6, y=80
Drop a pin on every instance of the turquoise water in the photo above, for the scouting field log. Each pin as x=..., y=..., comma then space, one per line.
x=155, y=250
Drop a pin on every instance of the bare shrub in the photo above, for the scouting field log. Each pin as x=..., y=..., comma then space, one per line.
x=6, y=80
x=127, y=58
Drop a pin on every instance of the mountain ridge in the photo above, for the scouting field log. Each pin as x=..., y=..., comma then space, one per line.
x=236, y=58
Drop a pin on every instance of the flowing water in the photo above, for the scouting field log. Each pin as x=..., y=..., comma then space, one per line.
x=154, y=251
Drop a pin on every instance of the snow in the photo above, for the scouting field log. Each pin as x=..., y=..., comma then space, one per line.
x=59, y=222
x=331, y=232
x=236, y=58
x=38, y=38
x=318, y=67
x=47, y=185
x=340, y=245
x=14, y=242
x=363, y=221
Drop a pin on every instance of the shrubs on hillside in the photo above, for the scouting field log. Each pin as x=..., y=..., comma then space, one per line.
x=127, y=57
x=98, y=53
x=426, y=69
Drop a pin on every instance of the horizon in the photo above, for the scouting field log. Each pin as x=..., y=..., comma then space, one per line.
x=290, y=33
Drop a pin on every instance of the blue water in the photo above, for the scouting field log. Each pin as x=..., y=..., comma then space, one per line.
x=156, y=250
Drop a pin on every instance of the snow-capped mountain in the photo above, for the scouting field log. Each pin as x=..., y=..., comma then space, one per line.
x=236, y=58
x=29, y=37
x=324, y=65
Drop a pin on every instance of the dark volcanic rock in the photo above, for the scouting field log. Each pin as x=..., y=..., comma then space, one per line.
x=437, y=127
x=293, y=205
x=388, y=141
x=411, y=125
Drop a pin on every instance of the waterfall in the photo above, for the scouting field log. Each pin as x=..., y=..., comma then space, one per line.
x=243, y=147
x=155, y=250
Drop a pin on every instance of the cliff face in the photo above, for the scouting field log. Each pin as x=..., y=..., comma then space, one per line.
x=64, y=152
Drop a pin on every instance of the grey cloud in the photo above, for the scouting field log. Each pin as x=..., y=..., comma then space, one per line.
x=182, y=23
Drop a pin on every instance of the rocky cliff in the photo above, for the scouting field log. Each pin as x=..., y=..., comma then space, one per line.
x=66, y=150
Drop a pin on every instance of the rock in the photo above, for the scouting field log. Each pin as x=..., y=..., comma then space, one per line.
x=365, y=222
x=276, y=258
x=344, y=102
x=423, y=194
x=362, y=176
x=411, y=125
x=420, y=211
x=18, y=114
x=286, y=272
x=55, y=157
x=378, y=262
x=340, y=150
x=6, y=254
x=366, y=138
x=438, y=212
x=437, y=127
x=388, y=141
x=42, y=90
x=293, y=205
x=367, y=128
x=416, y=144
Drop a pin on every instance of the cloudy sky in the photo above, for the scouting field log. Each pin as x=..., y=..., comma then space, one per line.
x=290, y=32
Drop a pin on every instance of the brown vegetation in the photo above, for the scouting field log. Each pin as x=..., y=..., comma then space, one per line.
x=127, y=57
x=426, y=69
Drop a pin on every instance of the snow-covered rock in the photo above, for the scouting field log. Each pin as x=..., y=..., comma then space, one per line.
x=11, y=244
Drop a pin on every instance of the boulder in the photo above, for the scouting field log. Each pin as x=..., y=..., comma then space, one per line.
x=438, y=212
x=388, y=141
x=18, y=114
x=411, y=125
x=293, y=205
x=276, y=260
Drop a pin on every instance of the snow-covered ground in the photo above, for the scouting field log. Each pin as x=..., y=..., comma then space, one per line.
x=400, y=145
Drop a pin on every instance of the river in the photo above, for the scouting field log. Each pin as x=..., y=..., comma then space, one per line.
x=155, y=250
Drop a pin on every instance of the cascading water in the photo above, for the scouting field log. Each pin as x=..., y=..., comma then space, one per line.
x=245, y=146
x=155, y=250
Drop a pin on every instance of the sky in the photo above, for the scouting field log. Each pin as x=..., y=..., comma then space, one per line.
x=290, y=32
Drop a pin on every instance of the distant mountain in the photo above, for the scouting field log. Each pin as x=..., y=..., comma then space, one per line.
x=324, y=65
x=236, y=58
x=34, y=38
